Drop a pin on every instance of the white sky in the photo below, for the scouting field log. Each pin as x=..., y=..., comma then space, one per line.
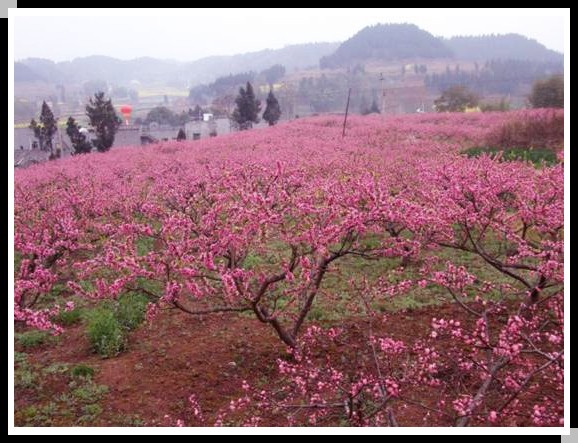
x=62, y=34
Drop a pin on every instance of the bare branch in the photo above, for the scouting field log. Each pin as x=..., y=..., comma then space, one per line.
x=212, y=310
x=527, y=380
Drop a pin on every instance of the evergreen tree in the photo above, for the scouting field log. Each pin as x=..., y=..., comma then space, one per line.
x=44, y=131
x=80, y=144
x=248, y=107
x=366, y=110
x=181, y=135
x=104, y=120
x=374, y=109
x=363, y=106
x=272, y=110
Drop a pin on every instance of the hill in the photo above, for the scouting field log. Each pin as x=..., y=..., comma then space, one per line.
x=39, y=68
x=387, y=42
x=292, y=57
x=507, y=46
x=23, y=73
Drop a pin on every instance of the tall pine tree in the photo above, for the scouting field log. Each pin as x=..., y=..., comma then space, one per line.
x=248, y=107
x=44, y=131
x=272, y=110
x=104, y=120
x=181, y=135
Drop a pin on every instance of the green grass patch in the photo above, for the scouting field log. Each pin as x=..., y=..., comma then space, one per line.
x=17, y=261
x=24, y=375
x=317, y=313
x=253, y=261
x=537, y=156
x=33, y=339
x=20, y=358
x=73, y=400
x=416, y=299
x=37, y=415
x=154, y=287
x=132, y=420
x=89, y=392
x=25, y=378
x=144, y=245
x=86, y=285
x=90, y=413
x=55, y=368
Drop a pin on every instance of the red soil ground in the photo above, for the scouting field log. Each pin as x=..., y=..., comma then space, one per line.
x=179, y=355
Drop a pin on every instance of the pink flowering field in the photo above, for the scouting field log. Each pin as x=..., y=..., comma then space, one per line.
x=293, y=277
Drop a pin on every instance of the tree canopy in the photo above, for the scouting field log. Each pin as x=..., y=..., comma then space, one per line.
x=104, y=120
x=548, y=93
x=164, y=116
x=272, y=110
x=45, y=130
x=248, y=107
x=456, y=99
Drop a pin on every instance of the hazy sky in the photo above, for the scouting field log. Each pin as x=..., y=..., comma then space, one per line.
x=194, y=33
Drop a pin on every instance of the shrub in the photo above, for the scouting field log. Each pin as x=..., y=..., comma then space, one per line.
x=105, y=332
x=131, y=310
x=548, y=93
x=82, y=371
x=107, y=325
x=456, y=99
x=68, y=318
x=541, y=129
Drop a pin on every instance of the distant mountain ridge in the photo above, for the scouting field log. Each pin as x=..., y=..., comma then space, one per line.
x=505, y=46
x=380, y=42
x=292, y=57
x=149, y=70
x=24, y=73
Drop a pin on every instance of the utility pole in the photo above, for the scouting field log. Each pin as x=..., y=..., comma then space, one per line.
x=346, y=111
